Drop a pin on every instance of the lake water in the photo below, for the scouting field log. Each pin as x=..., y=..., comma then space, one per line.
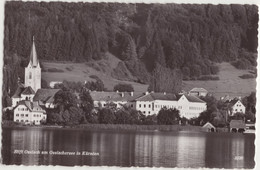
x=39, y=146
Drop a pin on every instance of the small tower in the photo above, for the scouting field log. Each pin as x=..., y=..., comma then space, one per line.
x=33, y=71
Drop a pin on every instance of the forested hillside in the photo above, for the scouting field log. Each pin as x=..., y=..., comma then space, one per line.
x=156, y=42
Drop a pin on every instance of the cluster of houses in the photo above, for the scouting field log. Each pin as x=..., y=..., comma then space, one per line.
x=30, y=100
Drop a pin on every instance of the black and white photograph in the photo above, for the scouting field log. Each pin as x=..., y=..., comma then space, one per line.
x=114, y=84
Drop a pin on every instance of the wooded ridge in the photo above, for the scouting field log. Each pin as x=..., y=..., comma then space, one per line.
x=160, y=44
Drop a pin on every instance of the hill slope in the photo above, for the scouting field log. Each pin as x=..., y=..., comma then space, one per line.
x=229, y=84
x=104, y=69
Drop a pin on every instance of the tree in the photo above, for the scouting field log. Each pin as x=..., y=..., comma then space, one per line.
x=65, y=100
x=238, y=116
x=87, y=106
x=123, y=87
x=168, y=116
x=106, y=116
x=8, y=115
x=97, y=85
x=122, y=117
x=149, y=120
x=53, y=117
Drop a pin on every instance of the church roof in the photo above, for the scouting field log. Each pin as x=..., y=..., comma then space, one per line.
x=45, y=95
x=28, y=90
x=33, y=56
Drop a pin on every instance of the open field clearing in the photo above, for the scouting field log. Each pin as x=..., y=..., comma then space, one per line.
x=229, y=84
x=81, y=72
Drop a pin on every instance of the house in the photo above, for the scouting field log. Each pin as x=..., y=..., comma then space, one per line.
x=209, y=127
x=46, y=97
x=198, y=92
x=22, y=93
x=28, y=112
x=237, y=126
x=235, y=106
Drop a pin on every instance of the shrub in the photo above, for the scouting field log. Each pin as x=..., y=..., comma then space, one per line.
x=55, y=70
x=241, y=64
x=69, y=68
x=208, y=77
x=247, y=76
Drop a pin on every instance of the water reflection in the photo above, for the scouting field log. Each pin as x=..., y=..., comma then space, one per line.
x=159, y=149
x=191, y=150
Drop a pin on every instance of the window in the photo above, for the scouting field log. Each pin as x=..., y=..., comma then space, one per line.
x=30, y=75
x=140, y=105
x=144, y=105
x=17, y=114
x=17, y=120
x=241, y=110
x=21, y=120
x=149, y=105
x=132, y=105
x=149, y=112
x=26, y=121
x=144, y=112
x=22, y=115
x=26, y=115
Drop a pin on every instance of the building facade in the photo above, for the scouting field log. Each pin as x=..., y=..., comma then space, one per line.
x=28, y=112
x=235, y=106
x=151, y=103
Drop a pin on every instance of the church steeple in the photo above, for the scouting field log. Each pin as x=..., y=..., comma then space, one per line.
x=33, y=71
x=33, y=56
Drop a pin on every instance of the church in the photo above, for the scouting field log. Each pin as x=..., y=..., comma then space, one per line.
x=30, y=100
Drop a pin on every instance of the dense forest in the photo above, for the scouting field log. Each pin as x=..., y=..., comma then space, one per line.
x=157, y=43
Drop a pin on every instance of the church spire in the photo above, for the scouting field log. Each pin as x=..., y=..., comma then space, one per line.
x=33, y=56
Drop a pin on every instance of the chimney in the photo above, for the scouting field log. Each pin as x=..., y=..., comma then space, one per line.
x=146, y=92
x=132, y=93
x=117, y=91
x=164, y=93
x=122, y=94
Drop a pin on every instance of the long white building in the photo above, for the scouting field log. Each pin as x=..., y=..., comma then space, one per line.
x=152, y=103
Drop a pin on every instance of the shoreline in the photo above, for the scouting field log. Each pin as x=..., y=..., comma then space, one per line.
x=118, y=127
